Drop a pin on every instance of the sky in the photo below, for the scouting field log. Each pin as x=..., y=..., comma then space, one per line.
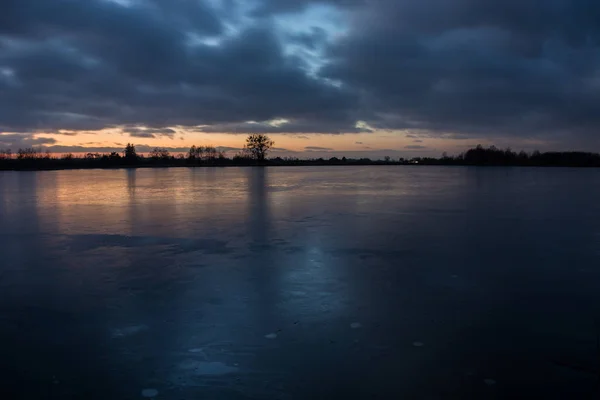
x=360, y=78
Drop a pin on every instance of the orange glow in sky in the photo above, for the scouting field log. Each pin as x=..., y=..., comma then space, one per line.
x=375, y=144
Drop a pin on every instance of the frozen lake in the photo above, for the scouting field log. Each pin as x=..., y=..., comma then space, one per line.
x=298, y=283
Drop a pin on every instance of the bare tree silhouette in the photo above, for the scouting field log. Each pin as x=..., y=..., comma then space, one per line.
x=258, y=146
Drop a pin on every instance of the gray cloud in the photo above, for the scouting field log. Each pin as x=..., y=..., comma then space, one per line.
x=95, y=64
x=414, y=147
x=227, y=149
x=149, y=132
x=317, y=148
x=294, y=126
x=447, y=68
x=15, y=141
x=146, y=135
x=513, y=67
x=270, y=6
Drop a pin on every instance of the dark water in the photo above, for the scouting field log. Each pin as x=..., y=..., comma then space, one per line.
x=298, y=283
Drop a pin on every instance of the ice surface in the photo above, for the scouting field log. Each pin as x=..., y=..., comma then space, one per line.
x=117, y=276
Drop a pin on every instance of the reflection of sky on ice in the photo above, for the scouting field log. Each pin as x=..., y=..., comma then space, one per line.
x=220, y=272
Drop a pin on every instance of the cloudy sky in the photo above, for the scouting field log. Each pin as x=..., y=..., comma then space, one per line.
x=329, y=77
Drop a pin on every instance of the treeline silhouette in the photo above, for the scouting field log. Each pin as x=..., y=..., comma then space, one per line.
x=493, y=156
x=35, y=159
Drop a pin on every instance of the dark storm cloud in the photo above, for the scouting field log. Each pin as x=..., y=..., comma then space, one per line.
x=523, y=67
x=311, y=40
x=448, y=68
x=268, y=7
x=105, y=19
x=74, y=64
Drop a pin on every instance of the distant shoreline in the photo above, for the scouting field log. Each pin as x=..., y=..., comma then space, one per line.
x=50, y=167
x=34, y=160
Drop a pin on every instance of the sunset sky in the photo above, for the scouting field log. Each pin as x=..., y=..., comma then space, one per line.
x=322, y=78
